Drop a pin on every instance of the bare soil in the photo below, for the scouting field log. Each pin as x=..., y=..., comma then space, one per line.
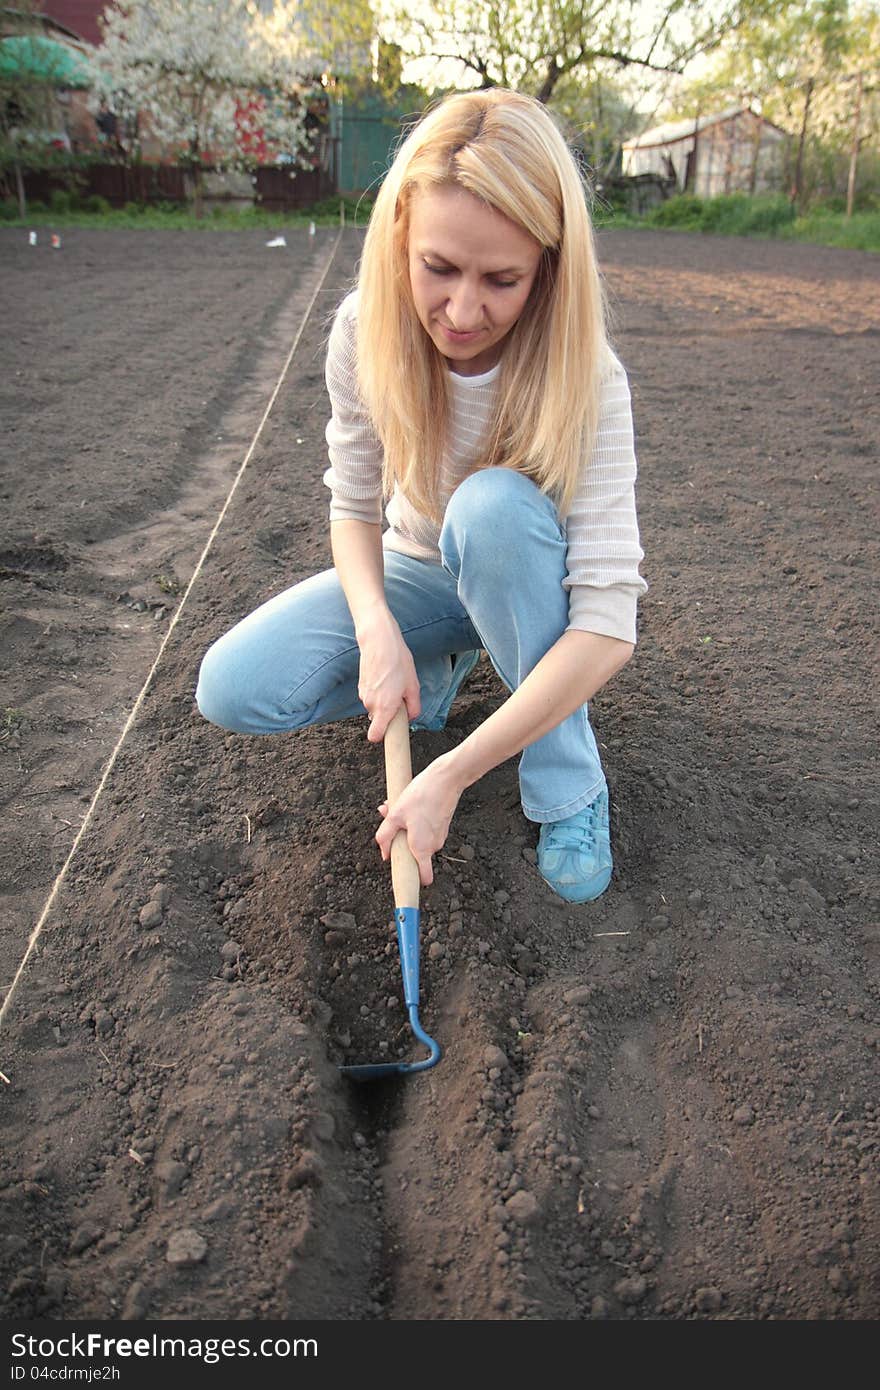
x=661, y=1105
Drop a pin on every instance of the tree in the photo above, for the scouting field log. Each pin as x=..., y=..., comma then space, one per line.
x=820, y=33
x=33, y=68
x=221, y=82
x=597, y=116
x=531, y=45
x=847, y=107
x=813, y=70
x=338, y=36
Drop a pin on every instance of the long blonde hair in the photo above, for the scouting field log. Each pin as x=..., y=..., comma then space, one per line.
x=505, y=149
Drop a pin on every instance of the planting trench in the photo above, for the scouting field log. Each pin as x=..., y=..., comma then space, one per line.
x=659, y=1105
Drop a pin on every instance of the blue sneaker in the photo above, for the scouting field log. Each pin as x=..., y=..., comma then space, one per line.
x=462, y=665
x=574, y=855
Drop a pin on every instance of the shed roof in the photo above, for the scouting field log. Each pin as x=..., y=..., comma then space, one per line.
x=673, y=131
x=36, y=58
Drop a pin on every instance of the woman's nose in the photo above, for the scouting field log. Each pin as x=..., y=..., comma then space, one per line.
x=465, y=310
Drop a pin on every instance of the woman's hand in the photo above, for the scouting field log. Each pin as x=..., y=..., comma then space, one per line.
x=387, y=676
x=424, y=810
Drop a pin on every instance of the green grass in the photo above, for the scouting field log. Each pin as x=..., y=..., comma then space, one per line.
x=735, y=214
x=95, y=213
x=766, y=215
x=860, y=233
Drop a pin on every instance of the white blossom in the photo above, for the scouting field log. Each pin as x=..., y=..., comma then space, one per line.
x=204, y=74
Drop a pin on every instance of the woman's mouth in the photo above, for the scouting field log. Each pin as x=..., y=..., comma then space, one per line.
x=459, y=338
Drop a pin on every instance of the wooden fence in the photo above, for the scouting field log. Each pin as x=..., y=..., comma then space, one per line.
x=275, y=189
x=118, y=183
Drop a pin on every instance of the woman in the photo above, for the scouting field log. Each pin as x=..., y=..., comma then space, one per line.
x=472, y=384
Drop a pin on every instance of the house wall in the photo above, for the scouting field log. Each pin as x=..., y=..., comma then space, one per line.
x=81, y=16
x=725, y=155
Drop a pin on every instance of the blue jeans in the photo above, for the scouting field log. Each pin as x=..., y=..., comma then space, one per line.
x=294, y=661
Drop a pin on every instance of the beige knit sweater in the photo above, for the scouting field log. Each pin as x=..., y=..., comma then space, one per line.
x=602, y=535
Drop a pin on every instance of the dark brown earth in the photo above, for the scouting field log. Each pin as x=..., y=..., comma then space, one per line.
x=661, y=1105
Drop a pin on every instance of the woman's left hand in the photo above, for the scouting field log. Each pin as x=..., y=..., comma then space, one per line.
x=424, y=810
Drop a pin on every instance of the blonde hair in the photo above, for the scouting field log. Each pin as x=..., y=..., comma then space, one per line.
x=505, y=149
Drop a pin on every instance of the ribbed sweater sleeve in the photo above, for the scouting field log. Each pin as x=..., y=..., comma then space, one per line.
x=602, y=531
x=355, y=473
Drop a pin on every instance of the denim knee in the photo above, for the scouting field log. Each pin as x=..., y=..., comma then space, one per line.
x=218, y=693
x=488, y=496
x=491, y=510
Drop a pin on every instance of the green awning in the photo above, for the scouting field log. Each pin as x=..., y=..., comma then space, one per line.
x=32, y=57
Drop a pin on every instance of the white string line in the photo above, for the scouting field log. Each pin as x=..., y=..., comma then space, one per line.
x=35, y=934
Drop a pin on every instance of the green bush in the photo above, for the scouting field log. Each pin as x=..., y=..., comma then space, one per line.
x=869, y=201
x=725, y=213
x=834, y=203
x=731, y=214
x=606, y=199
x=738, y=214
x=861, y=232
x=685, y=210
x=61, y=201
x=866, y=200
x=773, y=215
x=94, y=203
x=767, y=214
x=8, y=210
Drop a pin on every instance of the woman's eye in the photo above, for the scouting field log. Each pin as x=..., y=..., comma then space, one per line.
x=450, y=270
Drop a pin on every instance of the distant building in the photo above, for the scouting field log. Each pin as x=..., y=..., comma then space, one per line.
x=49, y=35
x=733, y=151
x=350, y=145
x=80, y=17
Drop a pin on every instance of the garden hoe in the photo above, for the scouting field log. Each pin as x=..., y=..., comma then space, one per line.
x=405, y=882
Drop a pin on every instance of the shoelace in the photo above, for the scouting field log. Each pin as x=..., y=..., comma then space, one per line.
x=579, y=832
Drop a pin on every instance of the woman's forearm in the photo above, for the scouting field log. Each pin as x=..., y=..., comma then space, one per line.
x=570, y=673
x=357, y=556
x=387, y=675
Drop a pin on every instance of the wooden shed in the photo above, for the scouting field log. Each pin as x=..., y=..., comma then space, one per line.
x=732, y=151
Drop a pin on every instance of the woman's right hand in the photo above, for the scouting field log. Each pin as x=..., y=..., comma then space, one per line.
x=387, y=676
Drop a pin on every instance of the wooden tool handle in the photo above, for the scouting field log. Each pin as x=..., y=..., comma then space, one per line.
x=398, y=775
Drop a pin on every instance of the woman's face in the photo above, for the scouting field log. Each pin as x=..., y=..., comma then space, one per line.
x=471, y=270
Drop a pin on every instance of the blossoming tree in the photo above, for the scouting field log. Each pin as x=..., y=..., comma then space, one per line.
x=222, y=83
